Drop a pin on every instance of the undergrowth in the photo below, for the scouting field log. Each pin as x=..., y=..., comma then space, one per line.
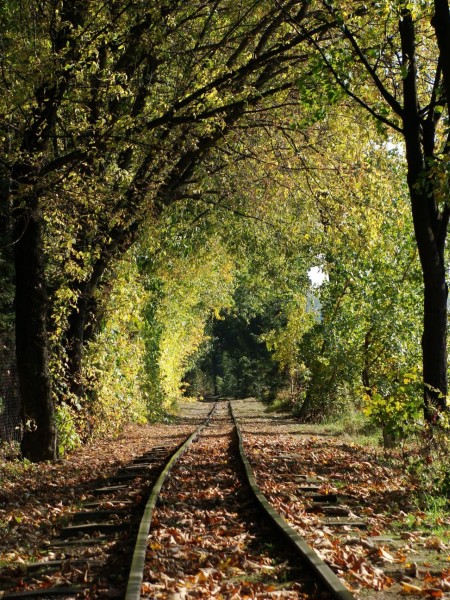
x=419, y=450
x=349, y=423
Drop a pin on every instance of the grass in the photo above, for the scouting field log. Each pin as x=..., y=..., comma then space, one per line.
x=436, y=514
x=431, y=517
x=350, y=424
x=280, y=405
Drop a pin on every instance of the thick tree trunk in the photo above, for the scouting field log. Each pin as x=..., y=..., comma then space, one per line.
x=434, y=345
x=39, y=440
x=436, y=291
x=434, y=340
x=430, y=227
x=430, y=237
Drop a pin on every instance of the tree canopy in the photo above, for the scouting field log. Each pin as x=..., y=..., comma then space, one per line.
x=170, y=174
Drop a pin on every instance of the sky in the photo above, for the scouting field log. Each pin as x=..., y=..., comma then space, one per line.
x=317, y=276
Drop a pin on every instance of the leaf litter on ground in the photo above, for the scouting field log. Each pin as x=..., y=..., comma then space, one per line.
x=385, y=559
x=37, y=499
x=207, y=540
x=388, y=559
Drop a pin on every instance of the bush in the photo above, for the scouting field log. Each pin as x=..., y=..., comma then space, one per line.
x=67, y=425
x=427, y=459
x=398, y=410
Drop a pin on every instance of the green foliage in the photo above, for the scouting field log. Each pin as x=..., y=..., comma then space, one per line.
x=284, y=342
x=115, y=361
x=68, y=424
x=352, y=424
x=189, y=163
x=397, y=53
x=9, y=451
x=190, y=286
x=369, y=327
x=243, y=366
x=399, y=412
x=108, y=114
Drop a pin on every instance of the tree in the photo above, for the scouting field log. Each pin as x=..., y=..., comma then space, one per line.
x=396, y=65
x=109, y=109
x=367, y=331
x=196, y=282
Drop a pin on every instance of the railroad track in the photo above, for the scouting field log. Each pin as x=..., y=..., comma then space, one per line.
x=200, y=515
x=210, y=501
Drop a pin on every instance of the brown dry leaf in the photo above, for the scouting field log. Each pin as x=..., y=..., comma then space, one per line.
x=385, y=555
x=433, y=592
x=206, y=574
x=428, y=578
x=436, y=544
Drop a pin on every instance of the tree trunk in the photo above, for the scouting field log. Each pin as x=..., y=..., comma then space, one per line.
x=434, y=344
x=75, y=345
x=436, y=296
x=365, y=375
x=430, y=237
x=430, y=227
x=39, y=440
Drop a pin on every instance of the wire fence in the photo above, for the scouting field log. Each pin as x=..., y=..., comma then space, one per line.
x=10, y=419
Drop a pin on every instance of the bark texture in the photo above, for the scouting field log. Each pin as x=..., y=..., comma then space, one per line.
x=430, y=226
x=39, y=440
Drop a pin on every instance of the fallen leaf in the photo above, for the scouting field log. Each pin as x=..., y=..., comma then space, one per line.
x=408, y=588
x=433, y=592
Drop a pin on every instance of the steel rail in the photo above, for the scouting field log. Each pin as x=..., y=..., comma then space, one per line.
x=136, y=576
x=321, y=570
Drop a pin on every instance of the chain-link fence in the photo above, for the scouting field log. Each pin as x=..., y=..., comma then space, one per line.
x=10, y=420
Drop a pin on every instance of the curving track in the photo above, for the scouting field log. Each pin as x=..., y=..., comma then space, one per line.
x=299, y=547
x=210, y=501
x=139, y=554
x=205, y=531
